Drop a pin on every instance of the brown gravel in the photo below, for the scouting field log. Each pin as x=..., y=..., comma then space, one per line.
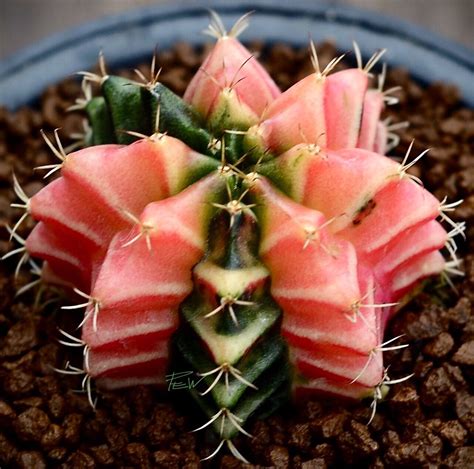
x=426, y=422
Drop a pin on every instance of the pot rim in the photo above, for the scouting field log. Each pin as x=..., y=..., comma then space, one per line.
x=428, y=56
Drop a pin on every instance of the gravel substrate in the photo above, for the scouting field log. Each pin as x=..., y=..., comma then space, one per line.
x=427, y=421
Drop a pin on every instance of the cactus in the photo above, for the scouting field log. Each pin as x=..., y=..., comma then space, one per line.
x=260, y=239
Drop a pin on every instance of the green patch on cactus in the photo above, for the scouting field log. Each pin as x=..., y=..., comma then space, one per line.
x=177, y=118
x=125, y=101
x=282, y=178
x=231, y=282
x=100, y=122
x=273, y=385
x=234, y=147
x=229, y=343
x=230, y=113
x=235, y=247
x=232, y=272
x=196, y=170
x=247, y=314
x=251, y=366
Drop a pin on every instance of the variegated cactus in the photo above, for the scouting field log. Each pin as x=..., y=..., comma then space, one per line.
x=260, y=239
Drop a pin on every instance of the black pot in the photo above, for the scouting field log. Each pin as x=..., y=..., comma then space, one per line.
x=130, y=37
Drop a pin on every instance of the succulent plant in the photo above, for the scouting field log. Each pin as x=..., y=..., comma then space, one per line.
x=256, y=238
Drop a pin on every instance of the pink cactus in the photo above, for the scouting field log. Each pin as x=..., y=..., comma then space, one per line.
x=293, y=202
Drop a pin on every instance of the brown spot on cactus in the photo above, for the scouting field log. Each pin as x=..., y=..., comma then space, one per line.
x=364, y=212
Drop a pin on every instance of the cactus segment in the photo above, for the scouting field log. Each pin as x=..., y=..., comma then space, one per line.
x=227, y=347
x=283, y=124
x=312, y=295
x=372, y=211
x=234, y=148
x=273, y=388
x=252, y=365
x=334, y=334
x=381, y=138
x=230, y=113
x=336, y=388
x=128, y=106
x=141, y=360
x=231, y=87
x=343, y=102
x=155, y=270
x=412, y=243
x=404, y=251
x=317, y=110
x=373, y=107
x=400, y=205
x=63, y=261
x=311, y=176
x=418, y=269
x=153, y=170
x=334, y=364
x=231, y=336
x=231, y=309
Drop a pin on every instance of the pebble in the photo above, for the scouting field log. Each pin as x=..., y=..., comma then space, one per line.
x=461, y=458
x=316, y=463
x=48, y=385
x=52, y=437
x=326, y=452
x=137, y=455
x=453, y=432
x=356, y=443
x=404, y=404
x=7, y=450
x=439, y=346
x=116, y=438
x=300, y=436
x=102, y=455
x=72, y=427
x=32, y=424
x=21, y=338
x=331, y=425
x=459, y=315
x=56, y=406
x=7, y=414
x=80, y=460
x=278, y=456
x=58, y=454
x=425, y=325
x=452, y=126
x=465, y=410
x=161, y=432
x=5, y=171
x=30, y=460
x=166, y=459
x=419, y=446
x=438, y=389
x=465, y=354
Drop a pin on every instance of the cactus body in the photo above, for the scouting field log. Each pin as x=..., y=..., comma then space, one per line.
x=260, y=239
